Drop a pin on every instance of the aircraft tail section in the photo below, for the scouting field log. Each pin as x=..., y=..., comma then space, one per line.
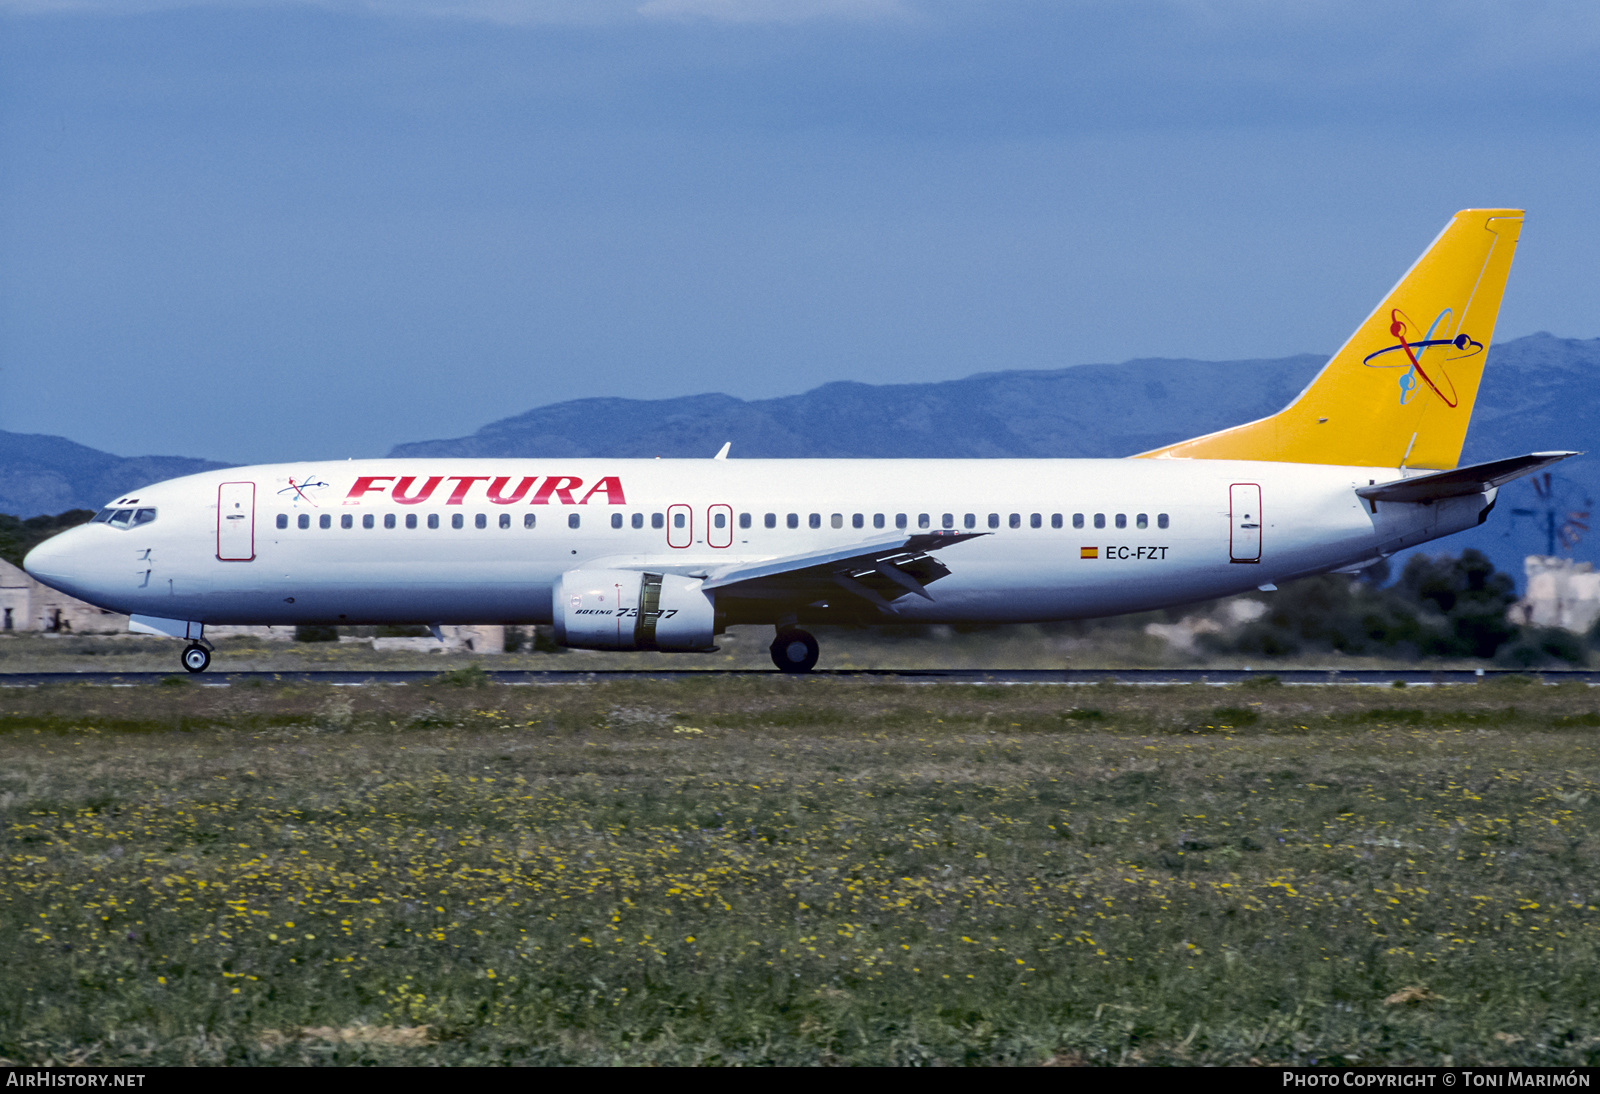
x=1400, y=391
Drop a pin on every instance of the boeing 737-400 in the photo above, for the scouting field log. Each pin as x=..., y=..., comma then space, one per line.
x=665, y=554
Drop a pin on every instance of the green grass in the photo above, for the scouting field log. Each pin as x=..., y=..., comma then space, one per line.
x=798, y=871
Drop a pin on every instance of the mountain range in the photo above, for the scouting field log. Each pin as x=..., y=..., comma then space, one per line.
x=40, y=474
x=1539, y=392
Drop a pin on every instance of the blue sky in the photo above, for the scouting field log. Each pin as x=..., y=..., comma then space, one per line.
x=285, y=230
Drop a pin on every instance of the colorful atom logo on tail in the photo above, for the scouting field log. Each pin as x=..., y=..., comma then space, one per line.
x=1433, y=374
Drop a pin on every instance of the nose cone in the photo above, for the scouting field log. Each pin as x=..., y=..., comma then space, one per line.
x=60, y=562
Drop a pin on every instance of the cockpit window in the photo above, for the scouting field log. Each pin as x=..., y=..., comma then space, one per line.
x=123, y=518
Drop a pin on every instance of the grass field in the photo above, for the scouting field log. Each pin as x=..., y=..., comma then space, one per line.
x=799, y=871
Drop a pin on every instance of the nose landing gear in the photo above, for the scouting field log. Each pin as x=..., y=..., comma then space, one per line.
x=196, y=658
x=794, y=651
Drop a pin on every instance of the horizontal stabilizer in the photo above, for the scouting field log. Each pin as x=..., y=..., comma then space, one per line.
x=1463, y=480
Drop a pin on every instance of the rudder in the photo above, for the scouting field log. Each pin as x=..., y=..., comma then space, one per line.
x=1400, y=391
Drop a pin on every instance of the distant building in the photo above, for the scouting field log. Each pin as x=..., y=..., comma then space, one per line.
x=26, y=605
x=1561, y=593
x=479, y=639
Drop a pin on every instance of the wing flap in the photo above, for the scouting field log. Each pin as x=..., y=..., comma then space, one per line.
x=878, y=571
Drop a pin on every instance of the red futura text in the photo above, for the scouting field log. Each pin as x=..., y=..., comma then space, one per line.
x=416, y=489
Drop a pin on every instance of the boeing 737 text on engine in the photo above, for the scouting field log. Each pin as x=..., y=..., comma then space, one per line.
x=665, y=554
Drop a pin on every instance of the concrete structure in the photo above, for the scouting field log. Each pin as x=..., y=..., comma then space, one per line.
x=26, y=605
x=1181, y=635
x=1561, y=593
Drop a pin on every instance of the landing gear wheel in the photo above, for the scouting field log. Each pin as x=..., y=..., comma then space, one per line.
x=197, y=659
x=794, y=651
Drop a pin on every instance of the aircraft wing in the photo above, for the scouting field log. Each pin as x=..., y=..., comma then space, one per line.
x=1462, y=480
x=878, y=571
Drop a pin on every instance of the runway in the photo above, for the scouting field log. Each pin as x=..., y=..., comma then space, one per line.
x=1143, y=677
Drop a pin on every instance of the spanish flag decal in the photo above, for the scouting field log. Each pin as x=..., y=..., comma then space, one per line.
x=1088, y=552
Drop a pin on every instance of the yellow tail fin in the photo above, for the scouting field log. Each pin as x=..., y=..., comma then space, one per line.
x=1400, y=391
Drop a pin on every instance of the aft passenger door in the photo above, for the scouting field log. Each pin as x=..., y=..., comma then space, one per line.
x=236, y=521
x=1244, y=515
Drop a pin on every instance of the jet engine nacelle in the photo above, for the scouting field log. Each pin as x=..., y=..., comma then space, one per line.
x=632, y=610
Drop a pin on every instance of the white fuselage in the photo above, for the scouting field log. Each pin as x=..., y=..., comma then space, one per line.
x=228, y=547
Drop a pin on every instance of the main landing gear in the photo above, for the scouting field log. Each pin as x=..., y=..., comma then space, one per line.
x=794, y=650
x=196, y=658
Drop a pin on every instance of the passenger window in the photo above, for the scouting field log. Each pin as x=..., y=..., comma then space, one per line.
x=837, y=520
x=368, y=520
x=530, y=519
x=1122, y=520
x=1055, y=520
x=638, y=520
x=922, y=520
x=411, y=520
x=677, y=520
x=388, y=520
x=325, y=521
x=1036, y=521
x=144, y=516
x=792, y=520
x=304, y=521
x=1141, y=521
x=572, y=520
x=877, y=520
x=616, y=520
x=744, y=520
x=1099, y=520
x=283, y=520
x=719, y=520
x=1015, y=520
x=505, y=520
x=815, y=520
x=770, y=520
x=347, y=520
x=1161, y=520
x=858, y=521
x=971, y=520
x=480, y=520
x=949, y=520
x=433, y=520
x=656, y=521
x=899, y=520
x=457, y=520
x=1077, y=520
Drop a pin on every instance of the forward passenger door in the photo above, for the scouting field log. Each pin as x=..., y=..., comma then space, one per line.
x=236, y=521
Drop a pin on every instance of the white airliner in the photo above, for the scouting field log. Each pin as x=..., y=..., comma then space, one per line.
x=664, y=554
